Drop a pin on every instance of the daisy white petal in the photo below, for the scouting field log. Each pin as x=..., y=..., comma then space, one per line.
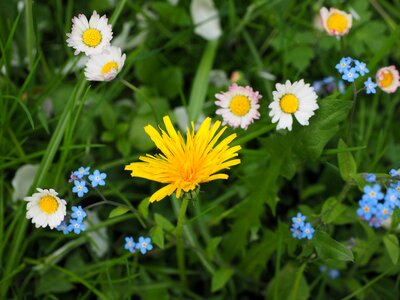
x=238, y=106
x=105, y=66
x=298, y=98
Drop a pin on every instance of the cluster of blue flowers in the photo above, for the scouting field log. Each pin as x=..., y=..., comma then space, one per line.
x=143, y=245
x=79, y=179
x=375, y=206
x=300, y=229
x=75, y=221
x=332, y=273
x=351, y=69
x=328, y=85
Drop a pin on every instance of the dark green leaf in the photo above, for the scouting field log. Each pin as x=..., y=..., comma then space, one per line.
x=220, y=278
x=347, y=164
x=328, y=248
x=392, y=247
x=157, y=236
x=118, y=211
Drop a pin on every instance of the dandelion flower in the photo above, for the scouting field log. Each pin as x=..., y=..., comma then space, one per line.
x=298, y=99
x=45, y=208
x=105, y=66
x=387, y=79
x=92, y=36
x=335, y=22
x=239, y=106
x=183, y=165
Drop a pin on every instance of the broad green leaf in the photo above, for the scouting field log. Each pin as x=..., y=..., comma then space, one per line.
x=212, y=246
x=331, y=210
x=220, y=278
x=163, y=222
x=118, y=211
x=347, y=164
x=328, y=248
x=392, y=247
x=157, y=236
x=144, y=207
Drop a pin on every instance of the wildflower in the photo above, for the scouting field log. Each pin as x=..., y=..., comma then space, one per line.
x=361, y=67
x=45, y=208
x=371, y=178
x=297, y=232
x=308, y=231
x=82, y=171
x=144, y=244
x=370, y=86
x=97, y=178
x=344, y=64
x=394, y=172
x=375, y=222
x=183, y=165
x=392, y=198
x=298, y=98
x=105, y=66
x=333, y=273
x=76, y=226
x=80, y=188
x=336, y=22
x=350, y=74
x=383, y=211
x=396, y=188
x=387, y=79
x=92, y=36
x=63, y=227
x=78, y=213
x=130, y=244
x=298, y=221
x=239, y=106
x=373, y=193
x=367, y=209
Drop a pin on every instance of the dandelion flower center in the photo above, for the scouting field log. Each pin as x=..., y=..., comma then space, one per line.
x=109, y=66
x=336, y=22
x=289, y=103
x=387, y=79
x=91, y=37
x=240, y=105
x=48, y=204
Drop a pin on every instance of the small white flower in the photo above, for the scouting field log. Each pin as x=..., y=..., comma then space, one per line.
x=105, y=66
x=22, y=181
x=206, y=19
x=239, y=106
x=298, y=98
x=92, y=36
x=336, y=22
x=388, y=79
x=45, y=208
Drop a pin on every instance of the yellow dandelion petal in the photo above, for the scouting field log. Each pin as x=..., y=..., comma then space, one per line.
x=184, y=164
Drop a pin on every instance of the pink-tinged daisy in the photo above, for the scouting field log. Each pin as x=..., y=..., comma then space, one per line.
x=45, y=208
x=105, y=66
x=298, y=99
x=336, y=22
x=239, y=106
x=387, y=79
x=92, y=36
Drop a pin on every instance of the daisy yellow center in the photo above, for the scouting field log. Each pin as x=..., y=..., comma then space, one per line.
x=387, y=79
x=109, y=66
x=289, y=103
x=48, y=204
x=92, y=37
x=240, y=105
x=336, y=22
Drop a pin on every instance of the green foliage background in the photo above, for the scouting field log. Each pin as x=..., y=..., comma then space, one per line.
x=237, y=239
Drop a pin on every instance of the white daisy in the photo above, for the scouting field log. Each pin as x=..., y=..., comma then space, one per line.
x=298, y=98
x=239, y=106
x=388, y=79
x=45, y=208
x=92, y=36
x=105, y=66
x=336, y=22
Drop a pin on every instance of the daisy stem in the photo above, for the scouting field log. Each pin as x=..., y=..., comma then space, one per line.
x=179, y=240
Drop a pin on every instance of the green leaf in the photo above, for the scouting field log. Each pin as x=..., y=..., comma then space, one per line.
x=392, y=247
x=328, y=248
x=347, y=164
x=118, y=211
x=212, y=246
x=157, y=236
x=220, y=278
x=163, y=222
x=169, y=82
x=331, y=210
x=144, y=207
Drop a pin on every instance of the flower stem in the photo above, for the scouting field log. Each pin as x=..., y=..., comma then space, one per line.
x=179, y=241
x=355, y=92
